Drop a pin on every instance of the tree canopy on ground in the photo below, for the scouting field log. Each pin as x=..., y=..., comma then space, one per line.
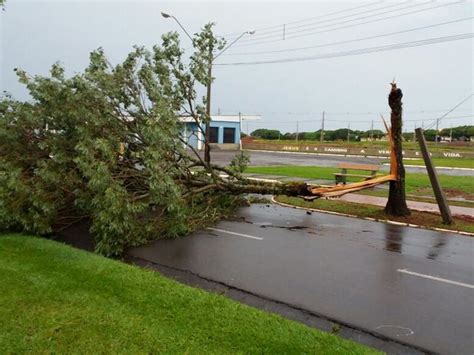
x=106, y=146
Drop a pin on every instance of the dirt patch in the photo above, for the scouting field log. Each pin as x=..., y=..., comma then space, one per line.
x=454, y=193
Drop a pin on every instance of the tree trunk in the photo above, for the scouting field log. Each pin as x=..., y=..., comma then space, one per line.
x=397, y=204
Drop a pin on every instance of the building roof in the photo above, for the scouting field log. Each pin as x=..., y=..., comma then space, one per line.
x=225, y=118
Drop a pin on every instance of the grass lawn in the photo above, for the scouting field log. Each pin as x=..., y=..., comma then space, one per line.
x=420, y=218
x=416, y=183
x=56, y=299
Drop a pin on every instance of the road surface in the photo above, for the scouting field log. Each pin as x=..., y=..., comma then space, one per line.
x=260, y=158
x=411, y=285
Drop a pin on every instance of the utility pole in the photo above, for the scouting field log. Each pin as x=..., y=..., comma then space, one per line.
x=414, y=133
x=437, y=189
x=297, y=129
x=284, y=30
x=372, y=131
x=207, y=147
x=348, y=131
x=240, y=130
x=437, y=127
x=451, y=133
x=322, y=129
x=211, y=58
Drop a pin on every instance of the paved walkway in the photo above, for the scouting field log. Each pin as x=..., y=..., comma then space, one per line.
x=413, y=205
x=375, y=200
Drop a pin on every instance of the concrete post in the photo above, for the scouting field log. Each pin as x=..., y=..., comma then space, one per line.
x=437, y=189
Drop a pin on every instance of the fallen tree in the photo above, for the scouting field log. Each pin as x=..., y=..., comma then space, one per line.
x=107, y=146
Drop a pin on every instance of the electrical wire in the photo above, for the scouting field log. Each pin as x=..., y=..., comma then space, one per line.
x=375, y=49
x=263, y=29
x=352, y=40
x=316, y=120
x=346, y=26
x=438, y=120
x=289, y=32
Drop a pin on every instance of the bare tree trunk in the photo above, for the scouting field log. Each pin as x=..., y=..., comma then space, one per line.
x=397, y=204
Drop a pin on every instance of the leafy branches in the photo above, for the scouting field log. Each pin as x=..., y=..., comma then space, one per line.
x=106, y=145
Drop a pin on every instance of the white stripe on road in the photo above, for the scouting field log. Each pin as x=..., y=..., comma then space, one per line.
x=234, y=233
x=436, y=278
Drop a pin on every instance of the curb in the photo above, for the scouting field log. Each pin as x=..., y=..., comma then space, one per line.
x=386, y=221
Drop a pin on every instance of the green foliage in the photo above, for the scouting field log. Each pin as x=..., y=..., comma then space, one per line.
x=240, y=162
x=458, y=133
x=266, y=133
x=104, y=145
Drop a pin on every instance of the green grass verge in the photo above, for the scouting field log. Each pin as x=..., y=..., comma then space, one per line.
x=416, y=183
x=56, y=299
x=426, y=219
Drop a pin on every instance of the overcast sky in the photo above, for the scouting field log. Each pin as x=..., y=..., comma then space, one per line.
x=351, y=89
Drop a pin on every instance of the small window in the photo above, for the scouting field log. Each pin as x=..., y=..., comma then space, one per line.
x=213, y=135
x=229, y=135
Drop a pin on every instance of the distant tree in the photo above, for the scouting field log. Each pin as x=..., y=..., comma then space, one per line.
x=459, y=132
x=430, y=135
x=340, y=134
x=329, y=136
x=407, y=136
x=266, y=133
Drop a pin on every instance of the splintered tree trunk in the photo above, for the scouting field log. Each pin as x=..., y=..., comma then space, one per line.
x=397, y=204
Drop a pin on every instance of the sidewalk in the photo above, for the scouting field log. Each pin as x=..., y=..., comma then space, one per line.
x=413, y=205
x=373, y=200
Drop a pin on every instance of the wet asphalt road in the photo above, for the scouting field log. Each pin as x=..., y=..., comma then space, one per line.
x=259, y=158
x=411, y=285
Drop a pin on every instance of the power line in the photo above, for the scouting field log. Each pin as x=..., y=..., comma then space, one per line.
x=353, y=40
x=289, y=32
x=349, y=26
x=438, y=120
x=389, y=47
x=373, y=112
x=356, y=121
x=234, y=34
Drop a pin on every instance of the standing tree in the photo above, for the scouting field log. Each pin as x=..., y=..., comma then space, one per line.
x=397, y=204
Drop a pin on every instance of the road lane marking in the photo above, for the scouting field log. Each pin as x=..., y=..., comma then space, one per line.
x=436, y=278
x=234, y=233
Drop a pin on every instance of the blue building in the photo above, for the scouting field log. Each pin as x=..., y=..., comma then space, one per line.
x=225, y=131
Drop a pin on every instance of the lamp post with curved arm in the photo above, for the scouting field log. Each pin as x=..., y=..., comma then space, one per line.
x=207, y=151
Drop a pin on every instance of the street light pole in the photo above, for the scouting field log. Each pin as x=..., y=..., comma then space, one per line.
x=165, y=15
x=207, y=151
x=207, y=148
